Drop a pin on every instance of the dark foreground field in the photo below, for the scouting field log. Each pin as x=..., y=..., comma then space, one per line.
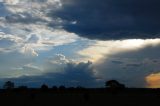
x=80, y=97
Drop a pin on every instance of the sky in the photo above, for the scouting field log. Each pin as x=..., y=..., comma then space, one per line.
x=80, y=42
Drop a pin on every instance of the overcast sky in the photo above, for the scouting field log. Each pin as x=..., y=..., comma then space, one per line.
x=80, y=42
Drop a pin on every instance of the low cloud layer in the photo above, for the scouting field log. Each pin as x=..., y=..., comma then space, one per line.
x=73, y=75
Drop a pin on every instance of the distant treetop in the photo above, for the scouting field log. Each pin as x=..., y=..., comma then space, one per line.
x=114, y=84
x=8, y=85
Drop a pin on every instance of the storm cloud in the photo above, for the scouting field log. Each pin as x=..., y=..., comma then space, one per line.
x=111, y=19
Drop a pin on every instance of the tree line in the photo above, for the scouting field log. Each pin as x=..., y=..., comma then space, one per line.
x=114, y=84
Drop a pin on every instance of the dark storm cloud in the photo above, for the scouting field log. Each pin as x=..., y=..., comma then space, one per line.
x=111, y=19
x=117, y=62
x=74, y=75
x=134, y=65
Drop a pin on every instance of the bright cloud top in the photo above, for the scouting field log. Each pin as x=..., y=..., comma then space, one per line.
x=100, y=49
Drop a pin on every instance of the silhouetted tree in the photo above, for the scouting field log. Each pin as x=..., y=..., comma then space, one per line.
x=62, y=87
x=8, y=85
x=54, y=87
x=44, y=87
x=114, y=84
